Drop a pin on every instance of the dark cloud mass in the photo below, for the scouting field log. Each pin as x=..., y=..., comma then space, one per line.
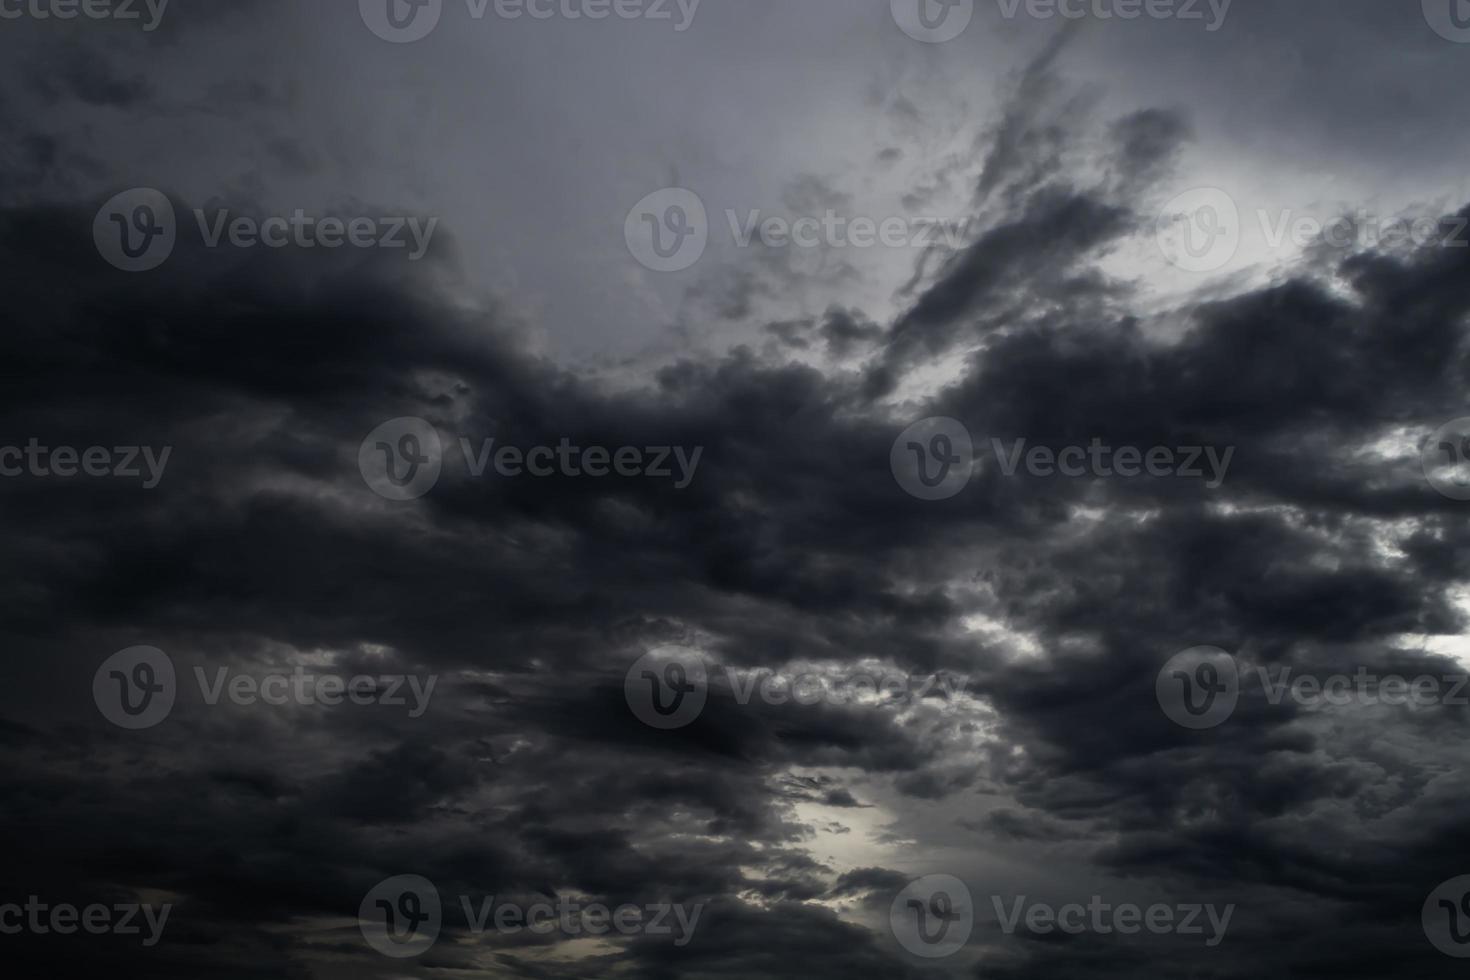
x=1024, y=749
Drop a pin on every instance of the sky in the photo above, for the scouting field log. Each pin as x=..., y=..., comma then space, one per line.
x=878, y=488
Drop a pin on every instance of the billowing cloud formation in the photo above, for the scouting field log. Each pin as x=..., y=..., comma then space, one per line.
x=1037, y=763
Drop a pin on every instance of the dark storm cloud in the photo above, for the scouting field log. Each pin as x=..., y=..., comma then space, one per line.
x=263, y=548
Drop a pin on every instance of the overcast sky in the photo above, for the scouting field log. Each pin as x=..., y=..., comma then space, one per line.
x=828, y=277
